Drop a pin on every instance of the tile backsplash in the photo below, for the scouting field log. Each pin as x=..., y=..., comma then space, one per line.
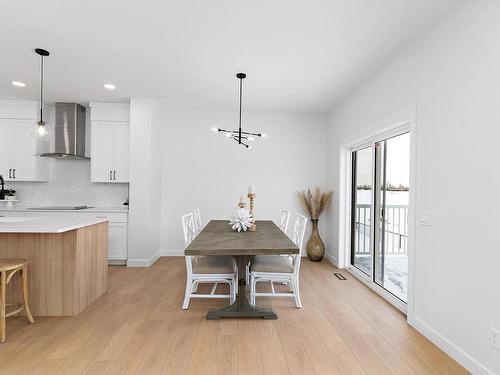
x=69, y=184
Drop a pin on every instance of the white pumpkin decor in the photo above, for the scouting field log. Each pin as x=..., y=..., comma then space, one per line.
x=241, y=220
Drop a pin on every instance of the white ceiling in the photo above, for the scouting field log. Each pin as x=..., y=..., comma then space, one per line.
x=300, y=55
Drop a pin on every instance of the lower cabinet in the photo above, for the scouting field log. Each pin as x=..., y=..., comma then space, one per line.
x=118, y=235
x=117, y=246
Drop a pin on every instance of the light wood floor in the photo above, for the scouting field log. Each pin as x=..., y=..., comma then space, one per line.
x=139, y=328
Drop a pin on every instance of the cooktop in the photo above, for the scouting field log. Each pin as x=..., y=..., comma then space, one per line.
x=60, y=208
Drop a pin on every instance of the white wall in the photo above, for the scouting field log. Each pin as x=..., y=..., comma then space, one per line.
x=145, y=183
x=203, y=169
x=452, y=75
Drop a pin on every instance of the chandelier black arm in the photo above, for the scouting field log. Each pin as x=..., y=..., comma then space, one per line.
x=240, y=142
x=256, y=134
x=237, y=132
x=226, y=131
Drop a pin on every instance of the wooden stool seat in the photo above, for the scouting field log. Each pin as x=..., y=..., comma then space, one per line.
x=8, y=268
x=10, y=264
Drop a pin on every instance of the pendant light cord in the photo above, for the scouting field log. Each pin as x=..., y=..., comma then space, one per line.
x=41, y=89
x=241, y=90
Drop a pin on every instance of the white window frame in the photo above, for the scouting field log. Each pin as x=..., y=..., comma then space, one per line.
x=397, y=124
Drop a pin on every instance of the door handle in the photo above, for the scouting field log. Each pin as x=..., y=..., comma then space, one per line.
x=114, y=175
x=110, y=175
x=14, y=173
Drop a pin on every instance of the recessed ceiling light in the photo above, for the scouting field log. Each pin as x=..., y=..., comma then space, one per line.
x=18, y=83
x=109, y=86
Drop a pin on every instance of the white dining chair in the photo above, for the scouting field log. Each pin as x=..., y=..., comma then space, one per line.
x=207, y=269
x=285, y=218
x=197, y=220
x=281, y=269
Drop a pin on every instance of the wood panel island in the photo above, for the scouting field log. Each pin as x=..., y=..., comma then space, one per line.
x=66, y=257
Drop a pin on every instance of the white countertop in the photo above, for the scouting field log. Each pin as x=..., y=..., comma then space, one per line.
x=49, y=224
x=16, y=208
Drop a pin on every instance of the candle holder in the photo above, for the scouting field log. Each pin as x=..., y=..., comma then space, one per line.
x=253, y=228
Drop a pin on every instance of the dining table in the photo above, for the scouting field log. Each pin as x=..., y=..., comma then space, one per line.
x=218, y=238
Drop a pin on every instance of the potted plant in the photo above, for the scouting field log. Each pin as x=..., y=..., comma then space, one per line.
x=10, y=194
x=314, y=204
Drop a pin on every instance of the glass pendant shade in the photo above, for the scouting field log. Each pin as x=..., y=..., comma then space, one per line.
x=40, y=131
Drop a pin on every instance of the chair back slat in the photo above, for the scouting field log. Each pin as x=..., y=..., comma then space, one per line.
x=197, y=220
x=189, y=230
x=285, y=218
x=299, y=230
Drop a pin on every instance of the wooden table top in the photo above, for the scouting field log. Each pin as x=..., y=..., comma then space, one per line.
x=217, y=238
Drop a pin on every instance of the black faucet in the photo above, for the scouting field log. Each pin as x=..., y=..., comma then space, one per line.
x=2, y=191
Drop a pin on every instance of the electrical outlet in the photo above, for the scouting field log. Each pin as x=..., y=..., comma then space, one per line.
x=425, y=218
x=495, y=338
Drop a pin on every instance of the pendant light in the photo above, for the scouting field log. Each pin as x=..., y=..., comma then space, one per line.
x=243, y=138
x=40, y=130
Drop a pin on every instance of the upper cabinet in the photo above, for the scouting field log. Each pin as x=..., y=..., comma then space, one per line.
x=110, y=138
x=18, y=150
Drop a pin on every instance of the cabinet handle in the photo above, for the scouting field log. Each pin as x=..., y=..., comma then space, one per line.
x=10, y=173
x=114, y=175
x=110, y=175
x=14, y=173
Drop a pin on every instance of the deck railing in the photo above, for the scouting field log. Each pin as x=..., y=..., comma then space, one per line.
x=395, y=229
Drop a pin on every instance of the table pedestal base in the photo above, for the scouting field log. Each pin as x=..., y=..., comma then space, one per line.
x=241, y=308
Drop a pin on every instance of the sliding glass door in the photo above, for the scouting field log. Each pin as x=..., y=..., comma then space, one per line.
x=380, y=199
x=362, y=196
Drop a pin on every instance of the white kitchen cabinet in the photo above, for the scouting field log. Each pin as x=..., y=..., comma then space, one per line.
x=110, y=151
x=102, y=148
x=18, y=160
x=110, y=138
x=121, y=151
x=7, y=149
x=117, y=242
x=110, y=112
x=117, y=234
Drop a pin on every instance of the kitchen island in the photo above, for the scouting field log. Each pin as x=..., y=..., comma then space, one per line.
x=67, y=261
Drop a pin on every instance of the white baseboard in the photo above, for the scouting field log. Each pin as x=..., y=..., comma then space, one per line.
x=332, y=259
x=172, y=253
x=149, y=262
x=143, y=262
x=449, y=348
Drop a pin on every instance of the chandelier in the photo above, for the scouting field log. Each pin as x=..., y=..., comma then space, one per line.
x=243, y=138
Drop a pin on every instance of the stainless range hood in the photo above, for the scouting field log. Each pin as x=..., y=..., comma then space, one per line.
x=68, y=136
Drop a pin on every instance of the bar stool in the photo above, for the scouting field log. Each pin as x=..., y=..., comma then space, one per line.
x=8, y=267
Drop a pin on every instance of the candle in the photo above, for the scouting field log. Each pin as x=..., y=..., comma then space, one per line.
x=242, y=200
x=251, y=190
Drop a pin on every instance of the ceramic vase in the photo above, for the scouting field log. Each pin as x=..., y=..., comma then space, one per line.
x=315, y=247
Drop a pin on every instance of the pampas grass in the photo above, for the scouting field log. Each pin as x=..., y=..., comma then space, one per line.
x=314, y=203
